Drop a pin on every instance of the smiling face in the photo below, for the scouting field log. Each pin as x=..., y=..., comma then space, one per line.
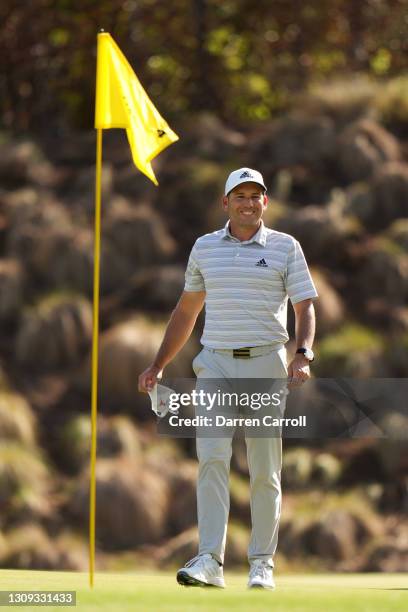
x=245, y=206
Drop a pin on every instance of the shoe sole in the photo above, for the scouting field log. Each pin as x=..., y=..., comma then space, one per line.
x=185, y=579
x=260, y=586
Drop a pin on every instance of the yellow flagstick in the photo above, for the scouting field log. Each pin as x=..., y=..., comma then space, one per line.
x=120, y=102
x=95, y=332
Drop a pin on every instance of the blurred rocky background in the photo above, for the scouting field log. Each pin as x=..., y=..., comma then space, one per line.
x=314, y=94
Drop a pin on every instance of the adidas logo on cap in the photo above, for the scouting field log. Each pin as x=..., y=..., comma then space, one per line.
x=243, y=175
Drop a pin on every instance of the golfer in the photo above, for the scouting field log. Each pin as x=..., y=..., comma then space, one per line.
x=244, y=273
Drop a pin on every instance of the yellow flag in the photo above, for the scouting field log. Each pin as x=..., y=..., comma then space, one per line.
x=121, y=102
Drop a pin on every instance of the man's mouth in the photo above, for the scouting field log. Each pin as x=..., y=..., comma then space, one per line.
x=247, y=213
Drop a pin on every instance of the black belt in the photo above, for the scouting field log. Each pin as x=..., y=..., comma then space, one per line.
x=242, y=353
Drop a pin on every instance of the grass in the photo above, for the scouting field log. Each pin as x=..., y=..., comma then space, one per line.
x=159, y=592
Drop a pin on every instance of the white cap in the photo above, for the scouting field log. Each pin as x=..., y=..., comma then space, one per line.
x=243, y=175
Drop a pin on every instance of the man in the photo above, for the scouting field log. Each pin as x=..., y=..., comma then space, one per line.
x=245, y=274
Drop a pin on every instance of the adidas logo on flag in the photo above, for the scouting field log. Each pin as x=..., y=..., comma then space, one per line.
x=246, y=174
x=262, y=263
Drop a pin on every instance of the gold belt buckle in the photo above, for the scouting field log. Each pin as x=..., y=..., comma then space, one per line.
x=242, y=353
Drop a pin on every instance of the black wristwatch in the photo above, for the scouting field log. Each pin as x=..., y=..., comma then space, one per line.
x=306, y=352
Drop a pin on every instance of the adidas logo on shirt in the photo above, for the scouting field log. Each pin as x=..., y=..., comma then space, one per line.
x=246, y=174
x=262, y=263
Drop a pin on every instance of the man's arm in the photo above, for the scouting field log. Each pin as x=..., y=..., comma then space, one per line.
x=178, y=331
x=305, y=319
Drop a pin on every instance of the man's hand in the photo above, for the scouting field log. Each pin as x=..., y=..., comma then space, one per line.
x=298, y=370
x=148, y=378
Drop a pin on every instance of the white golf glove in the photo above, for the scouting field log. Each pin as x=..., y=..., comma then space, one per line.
x=160, y=398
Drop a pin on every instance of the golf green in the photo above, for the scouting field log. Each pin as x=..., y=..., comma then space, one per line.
x=157, y=592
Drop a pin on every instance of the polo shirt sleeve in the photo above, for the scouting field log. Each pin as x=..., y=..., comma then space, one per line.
x=193, y=276
x=298, y=281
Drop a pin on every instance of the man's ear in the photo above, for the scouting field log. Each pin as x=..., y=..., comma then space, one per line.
x=266, y=201
x=225, y=202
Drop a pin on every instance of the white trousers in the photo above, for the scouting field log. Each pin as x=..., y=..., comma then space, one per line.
x=264, y=463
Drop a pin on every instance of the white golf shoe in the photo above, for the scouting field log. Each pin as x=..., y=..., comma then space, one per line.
x=202, y=570
x=261, y=575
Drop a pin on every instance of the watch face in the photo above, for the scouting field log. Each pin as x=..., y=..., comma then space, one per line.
x=309, y=354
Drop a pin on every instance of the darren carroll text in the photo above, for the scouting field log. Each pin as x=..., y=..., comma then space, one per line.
x=222, y=421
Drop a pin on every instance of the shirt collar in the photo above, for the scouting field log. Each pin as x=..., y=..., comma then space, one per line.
x=259, y=237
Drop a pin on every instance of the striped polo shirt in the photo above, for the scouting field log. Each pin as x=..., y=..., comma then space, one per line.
x=248, y=284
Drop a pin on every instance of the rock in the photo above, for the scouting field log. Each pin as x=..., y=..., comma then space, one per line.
x=183, y=497
x=382, y=201
x=343, y=99
x=73, y=553
x=24, y=484
x=118, y=436
x=130, y=183
x=115, y=436
x=362, y=148
x=177, y=550
x=317, y=230
x=17, y=420
x=384, y=274
x=297, y=468
x=3, y=549
x=361, y=203
x=390, y=318
x=138, y=234
x=333, y=538
x=24, y=162
x=55, y=333
x=125, y=350
x=74, y=270
x=352, y=351
x=237, y=545
x=390, y=186
x=158, y=288
x=38, y=250
x=11, y=289
x=396, y=354
x=36, y=207
x=126, y=516
x=329, y=307
x=388, y=556
x=289, y=544
x=80, y=189
x=73, y=448
x=77, y=150
x=209, y=138
x=294, y=140
x=183, y=547
x=38, y=227
x=21, y=204
x=398, y=233
x=193, y=199
x=390, y=103
x=362, y=465
x=300, y=185
x=326, y=469
x=393, y=460
x=31, y=548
